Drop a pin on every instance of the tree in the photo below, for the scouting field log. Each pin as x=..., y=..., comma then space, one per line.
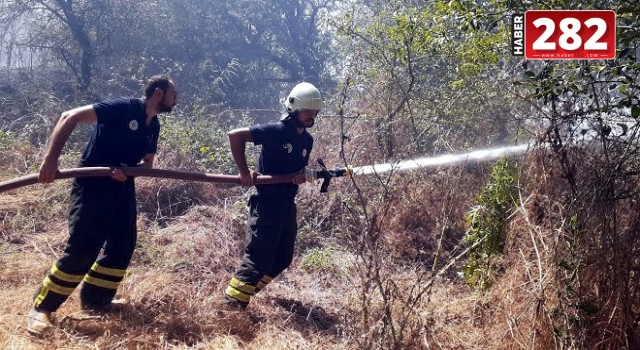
x=66, y=28
x=585, y=113
x=417, y=68
x=233, y=54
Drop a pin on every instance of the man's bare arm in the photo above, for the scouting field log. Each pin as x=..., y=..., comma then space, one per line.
x=238, y=139
x=63, y=129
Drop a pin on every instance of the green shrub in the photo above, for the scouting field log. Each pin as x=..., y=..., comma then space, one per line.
x=486, y=223
x=318, y=259
x=7, y=140
x=202, y=144
x=199, y=140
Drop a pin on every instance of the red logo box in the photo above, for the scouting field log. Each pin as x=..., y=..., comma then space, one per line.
x=570, y=35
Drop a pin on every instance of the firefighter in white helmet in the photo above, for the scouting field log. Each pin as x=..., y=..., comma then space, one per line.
x=272, y=228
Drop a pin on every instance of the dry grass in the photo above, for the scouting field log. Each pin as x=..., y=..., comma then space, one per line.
x=173, y=289
x=184, y=259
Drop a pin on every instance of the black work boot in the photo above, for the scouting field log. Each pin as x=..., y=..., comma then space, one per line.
x=231, y=304
x=104, y=308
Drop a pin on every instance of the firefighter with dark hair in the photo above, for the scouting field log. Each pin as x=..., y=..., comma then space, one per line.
x=102, y=210
x=272, y=226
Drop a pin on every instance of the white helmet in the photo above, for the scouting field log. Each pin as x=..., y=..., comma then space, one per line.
x=304, y=96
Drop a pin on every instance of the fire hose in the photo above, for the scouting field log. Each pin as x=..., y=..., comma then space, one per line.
x=323, y=173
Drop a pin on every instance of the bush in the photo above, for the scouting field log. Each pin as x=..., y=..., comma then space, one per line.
x=318, y=259
x=487, y=223
x=196, y=144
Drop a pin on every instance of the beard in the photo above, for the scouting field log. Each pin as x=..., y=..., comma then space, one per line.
x=304, y=124
x=164, y=108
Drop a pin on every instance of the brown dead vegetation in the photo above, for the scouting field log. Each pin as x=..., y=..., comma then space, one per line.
x=392, y=282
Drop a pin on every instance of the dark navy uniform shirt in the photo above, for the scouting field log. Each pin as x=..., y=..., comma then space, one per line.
x=284, y=151
x=121, y=135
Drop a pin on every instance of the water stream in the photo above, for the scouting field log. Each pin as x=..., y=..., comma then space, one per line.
x=411, y=164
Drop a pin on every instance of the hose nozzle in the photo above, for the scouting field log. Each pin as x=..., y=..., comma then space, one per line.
x=328, y=174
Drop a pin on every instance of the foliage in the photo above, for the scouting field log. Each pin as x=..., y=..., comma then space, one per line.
x=416, y=78
x=7, y=140
x=424, y=80
x=318, y=259
x=487, y=223
x=585, y=114
x=201, y=144
x=268, y=45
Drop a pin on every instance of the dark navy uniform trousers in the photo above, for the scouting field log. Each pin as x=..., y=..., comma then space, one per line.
x=270, y=240
x=102, y=214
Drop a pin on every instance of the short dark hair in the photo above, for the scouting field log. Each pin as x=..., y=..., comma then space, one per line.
x=157, y=81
